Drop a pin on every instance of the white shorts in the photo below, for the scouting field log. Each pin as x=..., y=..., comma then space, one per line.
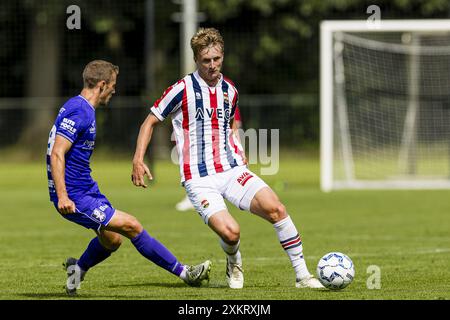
x=238, y=185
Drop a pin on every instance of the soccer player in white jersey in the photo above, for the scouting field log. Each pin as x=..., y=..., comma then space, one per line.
x=202, y=107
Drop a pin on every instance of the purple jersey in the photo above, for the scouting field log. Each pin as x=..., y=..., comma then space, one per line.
x=76, y=123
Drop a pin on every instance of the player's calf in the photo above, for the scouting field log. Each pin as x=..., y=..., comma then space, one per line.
x=110, y=240
x=266, y=204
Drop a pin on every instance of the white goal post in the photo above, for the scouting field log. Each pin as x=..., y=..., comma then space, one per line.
x=385, y=104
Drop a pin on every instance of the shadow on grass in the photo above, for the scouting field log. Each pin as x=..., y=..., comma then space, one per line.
x=148, y=284
x=52, y=296
x=165, y=285
x=81, y=296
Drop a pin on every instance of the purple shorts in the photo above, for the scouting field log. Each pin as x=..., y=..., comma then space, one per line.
x=93, y=210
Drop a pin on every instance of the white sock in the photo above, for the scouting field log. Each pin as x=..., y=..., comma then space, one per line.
x=292, y=245
x=183, y=274
x=232, y=251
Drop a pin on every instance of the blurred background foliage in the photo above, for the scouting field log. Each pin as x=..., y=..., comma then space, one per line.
x=271, y=53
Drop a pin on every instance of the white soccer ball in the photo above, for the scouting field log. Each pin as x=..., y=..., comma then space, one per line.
x=335, y=270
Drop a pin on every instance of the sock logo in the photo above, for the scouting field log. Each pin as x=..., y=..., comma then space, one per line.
x=243, y=178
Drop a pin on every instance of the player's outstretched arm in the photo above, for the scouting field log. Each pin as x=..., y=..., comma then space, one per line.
x=58, y=166
x=140, y=169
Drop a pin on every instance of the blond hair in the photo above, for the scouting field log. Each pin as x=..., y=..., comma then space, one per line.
x=205, y=38
x=98, y=70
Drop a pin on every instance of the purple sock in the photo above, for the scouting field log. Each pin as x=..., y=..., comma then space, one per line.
x=94, y=254
x=155, y=251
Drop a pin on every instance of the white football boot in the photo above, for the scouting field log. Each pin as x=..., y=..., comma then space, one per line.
x=74, y=276
x=309, y=282
x=235, y=275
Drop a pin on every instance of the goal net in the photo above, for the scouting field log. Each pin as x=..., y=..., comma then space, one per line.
x=385, y=104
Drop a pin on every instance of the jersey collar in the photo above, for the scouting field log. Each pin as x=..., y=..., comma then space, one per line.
x=204, y=84
x=86, y=101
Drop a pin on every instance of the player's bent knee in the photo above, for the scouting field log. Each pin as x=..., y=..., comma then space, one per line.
x=231, y=235
x=132, y=226
x=277, y=212
x=281, y=209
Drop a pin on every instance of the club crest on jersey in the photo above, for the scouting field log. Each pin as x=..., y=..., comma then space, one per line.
x=243, y=178
x=92, y=127
x=205, y=204
x=225, y=98
x=98, y=215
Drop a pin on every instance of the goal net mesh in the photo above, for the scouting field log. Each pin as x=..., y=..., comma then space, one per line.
x=391, y=107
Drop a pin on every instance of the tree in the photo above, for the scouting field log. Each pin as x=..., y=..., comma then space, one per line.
x=42, y=76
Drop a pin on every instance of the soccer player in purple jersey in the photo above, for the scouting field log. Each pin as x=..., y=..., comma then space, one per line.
x=213, y=167
x=77, y=197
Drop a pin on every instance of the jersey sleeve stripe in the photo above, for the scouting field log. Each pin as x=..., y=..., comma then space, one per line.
x=172, y=104
x=186, y=146
x=64, y=136
x=155, y=111
x=170, y=101
x=168, y=90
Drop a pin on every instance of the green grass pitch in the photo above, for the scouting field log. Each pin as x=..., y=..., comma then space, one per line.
x=404, y=233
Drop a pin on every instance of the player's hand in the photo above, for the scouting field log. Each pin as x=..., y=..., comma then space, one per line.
x=66, y=206
x=139, y=171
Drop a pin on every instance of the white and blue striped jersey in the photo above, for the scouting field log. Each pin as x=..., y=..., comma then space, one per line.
x=201, y=118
